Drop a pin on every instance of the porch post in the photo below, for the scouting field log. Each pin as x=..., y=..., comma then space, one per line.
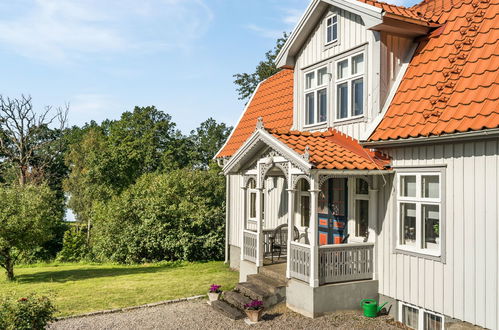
x=259, y=231
x=373, y=219
x=291, y=226
x=314, y=242
x=245, y=219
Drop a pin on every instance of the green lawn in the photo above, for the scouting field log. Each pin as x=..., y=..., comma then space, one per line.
x=81, y=288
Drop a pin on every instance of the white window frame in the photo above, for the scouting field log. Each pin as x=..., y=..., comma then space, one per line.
x=357, y=197
x=332, y=25
x=298, y=205
x=421, y=312
x=349, y=80
x=418, y=200
x=315, y=89
x=248, y=214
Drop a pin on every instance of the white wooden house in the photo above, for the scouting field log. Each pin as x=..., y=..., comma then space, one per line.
x=379, y=142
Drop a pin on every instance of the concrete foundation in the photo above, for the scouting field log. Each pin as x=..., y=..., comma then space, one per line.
x=314, y=302
x=246, y=268
x=234, y=257
x=391, y=306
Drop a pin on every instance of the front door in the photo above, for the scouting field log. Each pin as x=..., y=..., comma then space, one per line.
x=333, y=213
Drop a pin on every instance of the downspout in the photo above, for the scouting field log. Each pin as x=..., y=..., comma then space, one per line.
x=227, y=218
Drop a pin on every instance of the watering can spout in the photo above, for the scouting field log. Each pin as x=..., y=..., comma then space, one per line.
x=380, y=307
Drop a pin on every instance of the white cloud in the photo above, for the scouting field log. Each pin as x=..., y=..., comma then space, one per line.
x=86, y=107
x=65, y=30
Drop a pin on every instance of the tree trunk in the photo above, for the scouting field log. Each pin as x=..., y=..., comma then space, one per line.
x=8, y=265
x=22, y=175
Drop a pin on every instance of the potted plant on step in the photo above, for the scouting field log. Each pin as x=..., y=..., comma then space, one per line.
x=254, y=310
x=214, y=292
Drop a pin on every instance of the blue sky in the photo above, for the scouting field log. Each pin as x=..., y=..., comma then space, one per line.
x=105, y=57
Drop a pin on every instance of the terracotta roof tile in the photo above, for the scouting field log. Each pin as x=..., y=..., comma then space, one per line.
x=273, y=101
x=399, y=11
x=452, y=82
x=331, y=150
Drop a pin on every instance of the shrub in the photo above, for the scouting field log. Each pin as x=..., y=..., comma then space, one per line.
x=31, y=312
x=74, y=245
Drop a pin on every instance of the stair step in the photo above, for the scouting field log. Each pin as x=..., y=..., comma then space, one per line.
x=253, y=291
x=227, y=310
x=274, y=271
x=268, y=283
x=236, y=299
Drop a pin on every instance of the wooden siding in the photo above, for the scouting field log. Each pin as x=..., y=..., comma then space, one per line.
x=236, y=199
x=466, y=285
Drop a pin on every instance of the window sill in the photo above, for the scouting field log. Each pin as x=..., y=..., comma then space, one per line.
x=349, y=119
x=331, y=44
x=315, y=126
x=425, y=254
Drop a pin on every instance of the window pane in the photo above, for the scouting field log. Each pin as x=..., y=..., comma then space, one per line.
x=408, y=223
x=430, y=186
x=432, y=322
x=322, y=76
x=431, y=223
x=342, y=69
x=335, y=19
x=252, y=184
x=310, y=109
x=362, y=187
x=410, y=316
x=358, y=64
x=305, y=210
x=358, y=96
x=408, y=186
x=322, y=96
x=252, y=211
x=361, y=217
x=342, y=99
x=335, y=31
x=329, y=34
x=309, y=80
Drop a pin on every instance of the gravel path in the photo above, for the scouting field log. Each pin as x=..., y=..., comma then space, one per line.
x=196, y=314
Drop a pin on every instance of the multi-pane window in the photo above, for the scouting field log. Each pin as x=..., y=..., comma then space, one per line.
x=303, y=206
x=331, y=29
x=361, y=200
x=419, y=318
x=350, y=87
x=252, y=193
x=419, y=212
x=316, y=99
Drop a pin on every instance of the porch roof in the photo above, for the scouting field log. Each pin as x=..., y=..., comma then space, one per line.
x=331, y=150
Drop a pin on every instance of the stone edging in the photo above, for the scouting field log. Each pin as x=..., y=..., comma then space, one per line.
x=126, y=309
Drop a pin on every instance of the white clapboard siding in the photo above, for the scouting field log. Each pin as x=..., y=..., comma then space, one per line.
x=276, y=202
x=236, y=195
x=466, y=286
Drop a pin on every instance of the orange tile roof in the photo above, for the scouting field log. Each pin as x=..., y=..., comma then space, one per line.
x=331, y=150
x=399, y=11
x=452, y=83
x=273, y=101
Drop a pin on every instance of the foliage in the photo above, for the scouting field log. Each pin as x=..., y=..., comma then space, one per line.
x=28, y=215
x=254, y=305
x=215, y=288
x=207, y=139
x=79, y=288
x=247, y=82
x=172, y=216
x=74, y=246
x=26, y=313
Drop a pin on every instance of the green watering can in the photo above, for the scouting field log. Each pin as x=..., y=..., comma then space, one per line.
x=370, y=307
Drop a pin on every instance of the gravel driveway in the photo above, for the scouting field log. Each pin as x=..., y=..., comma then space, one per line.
x=196, y=314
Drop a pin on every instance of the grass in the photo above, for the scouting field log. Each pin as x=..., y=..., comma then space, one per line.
x=81, y=288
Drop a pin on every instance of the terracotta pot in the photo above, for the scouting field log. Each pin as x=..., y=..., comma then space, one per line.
x=254, y=315
x=214, y=296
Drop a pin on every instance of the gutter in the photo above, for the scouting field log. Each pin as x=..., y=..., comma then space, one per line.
x=453, y=137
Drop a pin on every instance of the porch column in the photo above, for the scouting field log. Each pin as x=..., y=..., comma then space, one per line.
x=291, y=226
x=373, y=220
x=245, y=218
x=314, y=233
x=259, y=227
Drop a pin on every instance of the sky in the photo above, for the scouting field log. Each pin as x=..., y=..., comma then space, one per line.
x=105, y=57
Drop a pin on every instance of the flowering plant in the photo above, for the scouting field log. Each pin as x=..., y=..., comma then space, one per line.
x=254, y=305
x=215, y=288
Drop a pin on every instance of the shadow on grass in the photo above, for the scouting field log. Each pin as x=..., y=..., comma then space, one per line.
x=62, y=276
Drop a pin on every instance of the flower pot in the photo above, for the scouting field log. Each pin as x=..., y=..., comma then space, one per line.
x=254, y=315
x=214, y=296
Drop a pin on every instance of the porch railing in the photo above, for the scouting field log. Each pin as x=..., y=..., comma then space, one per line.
x=266, y=241
x=250, y=242
x=345, y=262
x=299, y=259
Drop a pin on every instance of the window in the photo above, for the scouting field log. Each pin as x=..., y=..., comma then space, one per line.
x=419, y=318
x=419, y=212
x=252, y=192
x=331, y=29
x=316, y=96
x=350, y=87
x=303, y=206
x=361, y=201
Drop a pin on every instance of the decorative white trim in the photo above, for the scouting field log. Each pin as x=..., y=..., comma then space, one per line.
x=296, y=178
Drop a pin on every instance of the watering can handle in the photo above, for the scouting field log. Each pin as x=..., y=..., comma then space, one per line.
x=380, y=307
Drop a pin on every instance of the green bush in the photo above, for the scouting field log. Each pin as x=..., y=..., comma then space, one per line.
x=174, y=216
x=31, y=312
x=74, y=245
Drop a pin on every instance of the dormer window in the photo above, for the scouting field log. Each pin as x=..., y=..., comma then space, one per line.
x=316, y=82
x=350, y=87
x=331, y=29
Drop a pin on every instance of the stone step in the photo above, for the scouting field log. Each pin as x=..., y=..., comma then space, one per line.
x=270, y=284
x=236, y=299
x=257, y=292
x=228, y=310
x=277, y=272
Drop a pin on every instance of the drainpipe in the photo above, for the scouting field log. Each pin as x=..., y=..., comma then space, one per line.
x=227, y=218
